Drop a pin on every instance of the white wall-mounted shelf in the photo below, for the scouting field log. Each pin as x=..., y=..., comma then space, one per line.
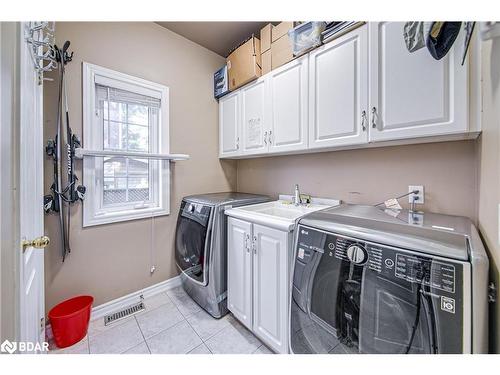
x=80, y=153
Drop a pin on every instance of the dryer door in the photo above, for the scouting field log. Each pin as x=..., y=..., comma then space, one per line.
x=192, y=240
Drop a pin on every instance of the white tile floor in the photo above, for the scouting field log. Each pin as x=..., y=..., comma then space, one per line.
x=171, y=324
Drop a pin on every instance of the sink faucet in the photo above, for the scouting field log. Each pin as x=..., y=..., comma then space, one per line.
x=296, y=197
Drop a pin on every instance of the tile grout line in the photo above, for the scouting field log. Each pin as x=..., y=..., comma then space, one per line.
x=130, y=318
x=215, y=334
x=142, y=334
x=116, y=324
x=126, y=319
x=166, y=329
x=202, y=342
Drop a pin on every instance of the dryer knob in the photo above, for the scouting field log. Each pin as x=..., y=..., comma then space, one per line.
x=357, y=254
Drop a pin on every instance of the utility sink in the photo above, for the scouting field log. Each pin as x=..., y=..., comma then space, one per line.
x=280, y=214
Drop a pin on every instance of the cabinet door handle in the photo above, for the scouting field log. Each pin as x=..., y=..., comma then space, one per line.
x=238, y=143
x=374, y=114
x=245, y=242
x=265, y=138
x=363, y=120
x=255, y=244
x=270, y=138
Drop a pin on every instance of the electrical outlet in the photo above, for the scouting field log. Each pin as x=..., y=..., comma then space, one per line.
x=420, y=194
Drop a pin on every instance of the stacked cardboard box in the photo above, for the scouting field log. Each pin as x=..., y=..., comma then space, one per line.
x=265, y=46
x=244, y=63
x=256, y=57
x=276, y=46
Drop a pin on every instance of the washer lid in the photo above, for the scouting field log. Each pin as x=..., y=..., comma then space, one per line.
x=436, y=234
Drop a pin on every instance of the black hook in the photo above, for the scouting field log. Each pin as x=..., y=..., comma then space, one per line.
x=61, y=54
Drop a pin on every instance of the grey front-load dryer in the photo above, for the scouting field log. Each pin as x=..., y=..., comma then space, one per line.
x=201, y=246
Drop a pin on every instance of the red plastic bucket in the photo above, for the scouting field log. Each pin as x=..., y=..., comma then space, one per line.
x=70, y=320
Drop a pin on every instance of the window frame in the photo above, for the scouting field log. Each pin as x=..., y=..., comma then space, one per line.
x=93, y=211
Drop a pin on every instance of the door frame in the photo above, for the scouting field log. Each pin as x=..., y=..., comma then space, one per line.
x=9, y=180
x=31, y=180
x=21, y=178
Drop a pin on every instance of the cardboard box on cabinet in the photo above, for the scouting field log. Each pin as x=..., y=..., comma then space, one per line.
x=281, y=52
x=280, y=30
x=266, y=62
x=244, y=63
x=265, y=38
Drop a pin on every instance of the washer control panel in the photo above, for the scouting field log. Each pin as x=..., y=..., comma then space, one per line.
x=393, y=263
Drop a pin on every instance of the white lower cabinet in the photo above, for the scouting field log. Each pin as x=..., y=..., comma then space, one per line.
x=258, y=277
x=270, y=286
x=239, y=270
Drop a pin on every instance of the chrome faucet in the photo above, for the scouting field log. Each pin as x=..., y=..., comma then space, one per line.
x=296, y=197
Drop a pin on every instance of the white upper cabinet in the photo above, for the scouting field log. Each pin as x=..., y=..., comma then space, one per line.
x=229, y=118
x=363, y=87
x=338, y=91
x=253, y=118
x=412, y=94
x=287, y=106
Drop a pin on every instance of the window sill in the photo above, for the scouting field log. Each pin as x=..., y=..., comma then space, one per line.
x=122, y=216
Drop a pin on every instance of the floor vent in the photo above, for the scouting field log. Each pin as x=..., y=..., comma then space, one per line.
x=108, y=319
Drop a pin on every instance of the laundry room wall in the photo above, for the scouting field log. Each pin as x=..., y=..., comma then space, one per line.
x=447, y=171
x=489, y=173
x=109, y=261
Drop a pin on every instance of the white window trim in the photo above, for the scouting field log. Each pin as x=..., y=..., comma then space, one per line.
x=92, y=74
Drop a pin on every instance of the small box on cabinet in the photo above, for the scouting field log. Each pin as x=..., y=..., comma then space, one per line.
x=221, y=87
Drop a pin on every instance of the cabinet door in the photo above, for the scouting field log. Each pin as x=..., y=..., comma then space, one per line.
x=411, y=94
x=287, y=106
x=338, y=91
x=254, y=127
x=270, y=287
x=239, y=270
x=229, y=125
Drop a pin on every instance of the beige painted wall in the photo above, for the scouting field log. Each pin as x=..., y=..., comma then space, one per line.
x=109, y=261
x=489, y=174
x=369, y=176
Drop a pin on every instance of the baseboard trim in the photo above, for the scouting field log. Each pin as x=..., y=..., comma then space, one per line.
x=119, y=303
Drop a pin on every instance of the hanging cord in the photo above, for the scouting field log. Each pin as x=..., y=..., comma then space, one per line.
x=417, y=315
x=152, y=246
x=397, y=198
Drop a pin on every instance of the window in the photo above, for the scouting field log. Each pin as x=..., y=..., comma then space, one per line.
x=127, y=116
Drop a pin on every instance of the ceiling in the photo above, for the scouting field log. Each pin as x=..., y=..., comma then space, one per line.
x=219, y=37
